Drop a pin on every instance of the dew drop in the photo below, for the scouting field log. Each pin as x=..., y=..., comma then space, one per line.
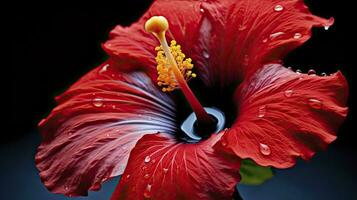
x=97, y=102
x=66, y=187
x=314, y=103
x=104, y=69
x=264, y=149
x=202, y=10
x=288, y=93
x=165, y=170
x=298, y=71
x=323, y=74
x=289, y=68
x=205, y=54
x=147, y=192
x=297, y=35
x=278, y=8
x=311, y=72
x=326, y=27
x=128, y=176
x=262, y=111
x=265, y=40
x=224, y=143
x=275, y=35
x=146, y=176
x=147, y=159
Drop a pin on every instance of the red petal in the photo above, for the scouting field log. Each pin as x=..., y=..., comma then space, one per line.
x=223, y=37
x=88, y=136
x=247, y=33
x=283, y=115
x=162, y=168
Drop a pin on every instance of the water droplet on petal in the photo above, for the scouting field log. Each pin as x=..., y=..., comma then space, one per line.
x=311, y=72
x=297, y=35
x=205, y=54
x=278, y=8
x=265, y=40
x=97, y=102
x=323, y=74
x=298, y=71
x=202, y=10
x=288, y=93
x=224, y=143
x=147, y=159
x=104, y=69
x=275, y=35
x=314, y=103
x=66, y=187
x=264, y=149
x=147, y=192
x=146, y=176
x=262, y=111
x=128, y=176
x=165, y=170
x=329, y=23
x=289, y=68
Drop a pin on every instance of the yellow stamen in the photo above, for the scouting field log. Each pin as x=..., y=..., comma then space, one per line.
x=166, y=78
x=172, y=64
x=173, y=69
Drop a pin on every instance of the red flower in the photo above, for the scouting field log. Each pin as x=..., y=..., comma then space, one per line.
x=116, y=109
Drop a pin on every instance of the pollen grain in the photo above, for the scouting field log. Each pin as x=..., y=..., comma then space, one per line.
x=166, y=77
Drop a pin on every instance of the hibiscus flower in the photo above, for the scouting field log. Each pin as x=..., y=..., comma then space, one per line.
x=129, y=115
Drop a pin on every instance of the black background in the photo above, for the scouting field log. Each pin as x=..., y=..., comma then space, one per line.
x=52, y=46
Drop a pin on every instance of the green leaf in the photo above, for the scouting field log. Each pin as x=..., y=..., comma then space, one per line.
x=253, y=174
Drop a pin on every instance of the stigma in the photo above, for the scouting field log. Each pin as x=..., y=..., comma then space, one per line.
x=172, y=64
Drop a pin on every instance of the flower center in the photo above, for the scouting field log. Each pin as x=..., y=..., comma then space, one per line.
x=174, y=70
